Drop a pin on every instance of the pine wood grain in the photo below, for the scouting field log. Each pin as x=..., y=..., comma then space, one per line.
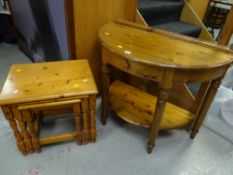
x=57, y=138
x=138, y=107
x=92, y=112
x=152, y=48
x=45, y=106
x=19, y=139
x=89, y=17
x=78, y=123
x=161, y=57
x=42, y=81
x=23, y=127
x=85, y=119
x=27, y=115
x=200, y=7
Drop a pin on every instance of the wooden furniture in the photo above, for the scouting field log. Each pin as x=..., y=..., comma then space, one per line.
x=190, y=14
x=200, y=7
x=32, y=91
x=83, y=25
x=165, y=58
x=187, y=15
x=226, y=32
x=88, y=16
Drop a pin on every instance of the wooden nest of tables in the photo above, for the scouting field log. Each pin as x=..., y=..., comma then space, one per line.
x=32, y=91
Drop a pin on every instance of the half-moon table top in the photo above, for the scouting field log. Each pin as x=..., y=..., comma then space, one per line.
x=160, y=48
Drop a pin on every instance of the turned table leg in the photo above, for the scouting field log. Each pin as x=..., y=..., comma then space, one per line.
x=27, y=115
x=200, y=97
x=163, y=95
x=85, y=120
x=92, y=106
x=105, y=86
x=23, y=128
x=198, y=101
x=161, y=103
x=38, y=115
x=9, y=116
x=78, y=121
x=205, y=106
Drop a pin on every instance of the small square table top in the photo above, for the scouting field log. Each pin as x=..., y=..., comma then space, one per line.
x=45, y=81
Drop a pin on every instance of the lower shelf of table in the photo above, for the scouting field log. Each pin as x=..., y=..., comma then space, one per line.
x=137, y=107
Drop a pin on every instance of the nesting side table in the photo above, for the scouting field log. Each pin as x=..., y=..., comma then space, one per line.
x=32, y=91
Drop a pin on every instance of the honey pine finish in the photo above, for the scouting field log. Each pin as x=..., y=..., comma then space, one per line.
x=32, y=91
x=164, y=58
x=88, y=17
